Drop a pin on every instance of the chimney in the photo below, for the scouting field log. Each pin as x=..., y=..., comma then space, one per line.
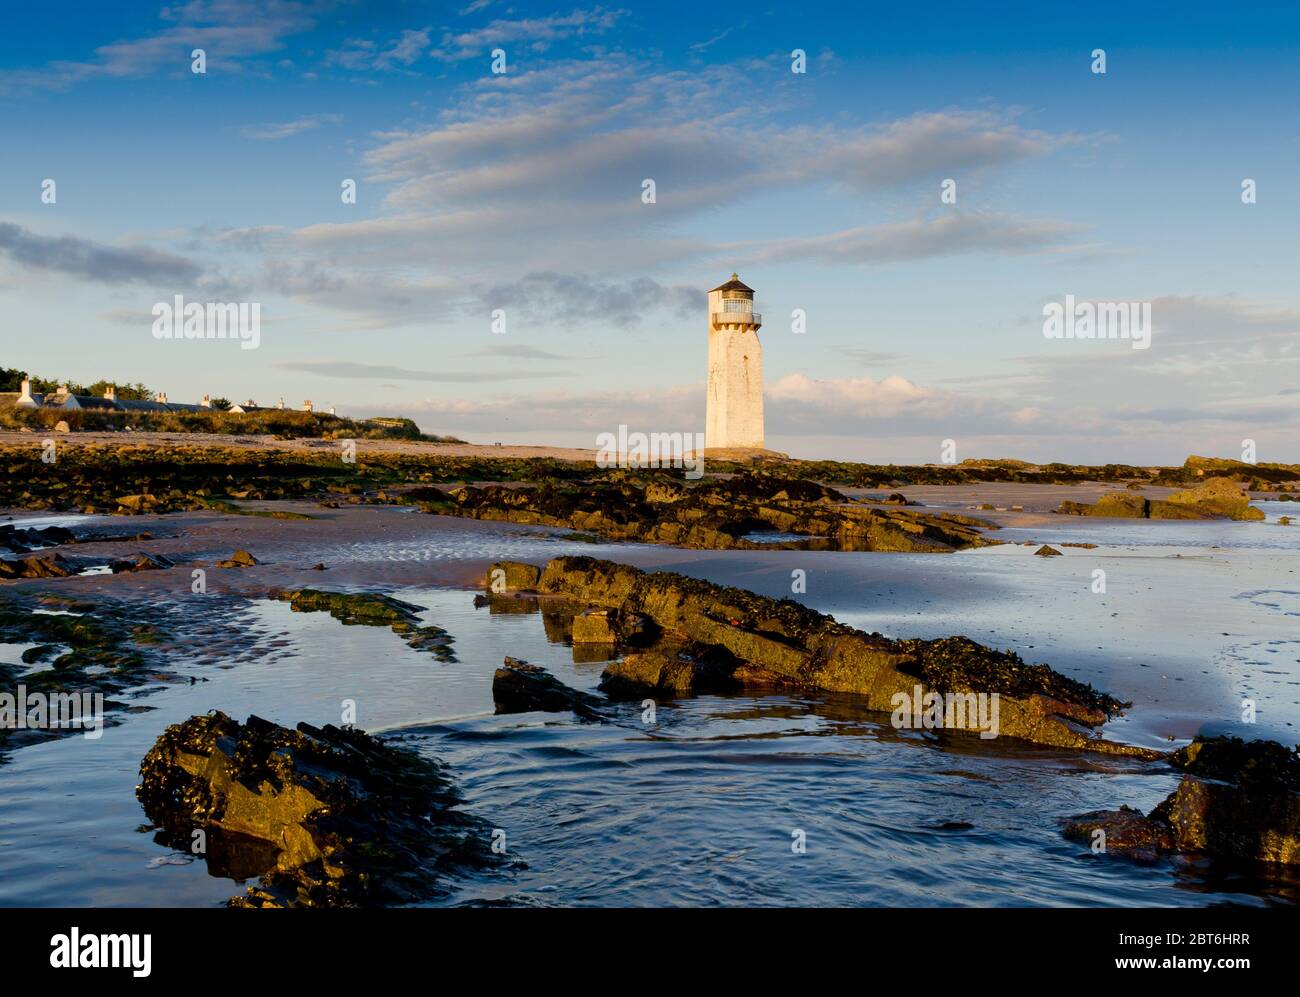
x=161, y=398
x=306, y=406
x=25, y=400
x=332, y=410
x=280, y=404
x=63, y=389
x=111, y=393
x=207, y=402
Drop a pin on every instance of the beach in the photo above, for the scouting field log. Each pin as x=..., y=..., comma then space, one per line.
x=1196, y=617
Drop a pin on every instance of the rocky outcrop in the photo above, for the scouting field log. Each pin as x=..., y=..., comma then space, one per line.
x=239, y=559
x=1126, y=831
x=326, y=817
x=1218, y=498
x=713, y=637
x=142, y=562
x=1238, y=801
x=372, y=609
x=40, y=566
x=23, y=541
x=670, y=672
x=718, y=514
x=520, y=687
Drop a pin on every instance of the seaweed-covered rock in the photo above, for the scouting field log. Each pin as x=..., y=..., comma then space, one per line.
x=595, y=626
x=753, y=640
x=327, y=817
x=1239, y=801
x=1047, y=551
x=514, y=576
x=1217, y=498
x=716, y=514
x=520, y=687
x=372, y=609
x=672, y=672
x=239, y=559
x=1126, y=831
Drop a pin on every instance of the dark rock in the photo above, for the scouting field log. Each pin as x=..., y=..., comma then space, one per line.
x=518, y=687
x=24, y=541
x=328, y=817
x=686, y=671
x=143, y=562
x=1239, y=801
x=715, y=514
x=1126, y=831
x=40, y=566
x=1046, y=551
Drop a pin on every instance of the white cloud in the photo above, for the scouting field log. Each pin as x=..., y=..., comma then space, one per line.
x=536, y=33
x=286, y=129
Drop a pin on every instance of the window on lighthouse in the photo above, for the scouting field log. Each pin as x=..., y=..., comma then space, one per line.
x=737, y=305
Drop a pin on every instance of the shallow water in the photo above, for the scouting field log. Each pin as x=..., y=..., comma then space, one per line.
x=702, y=805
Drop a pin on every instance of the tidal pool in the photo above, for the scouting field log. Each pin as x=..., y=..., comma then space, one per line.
x=703, y=804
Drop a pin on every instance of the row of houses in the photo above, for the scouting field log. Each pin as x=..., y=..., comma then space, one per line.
x=65, y=399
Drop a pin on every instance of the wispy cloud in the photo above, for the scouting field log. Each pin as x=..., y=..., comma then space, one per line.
x=363, y=55
x=94, y=261
x=535, y=33
x=367, y=371
x=517, y=352
x=926, y=238
x=228, y=31
x=285, y=129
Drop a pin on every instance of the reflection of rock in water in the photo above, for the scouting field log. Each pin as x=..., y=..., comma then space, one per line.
x=375, y=610
x=325, y=816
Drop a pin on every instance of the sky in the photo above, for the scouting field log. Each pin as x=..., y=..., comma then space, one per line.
x=522, y=193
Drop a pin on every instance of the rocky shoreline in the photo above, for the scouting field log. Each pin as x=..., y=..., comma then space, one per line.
x=300, y=809
x=730, y=514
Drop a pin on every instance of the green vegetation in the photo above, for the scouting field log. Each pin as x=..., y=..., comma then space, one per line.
x=166, y=478
x=11, y=379
x=280, y=423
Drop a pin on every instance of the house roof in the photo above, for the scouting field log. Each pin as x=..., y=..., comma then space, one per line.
x=735, y=284
x=140, y=405
x=87, y=401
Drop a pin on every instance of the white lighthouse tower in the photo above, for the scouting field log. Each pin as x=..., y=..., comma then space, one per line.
x=735, y=393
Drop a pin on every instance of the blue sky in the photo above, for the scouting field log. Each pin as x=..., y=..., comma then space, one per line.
x=522, y=191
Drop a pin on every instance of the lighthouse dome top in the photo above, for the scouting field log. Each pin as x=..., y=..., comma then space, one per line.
x=735, y=284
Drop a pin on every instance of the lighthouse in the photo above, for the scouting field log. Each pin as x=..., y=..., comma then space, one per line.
x=734, y=409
